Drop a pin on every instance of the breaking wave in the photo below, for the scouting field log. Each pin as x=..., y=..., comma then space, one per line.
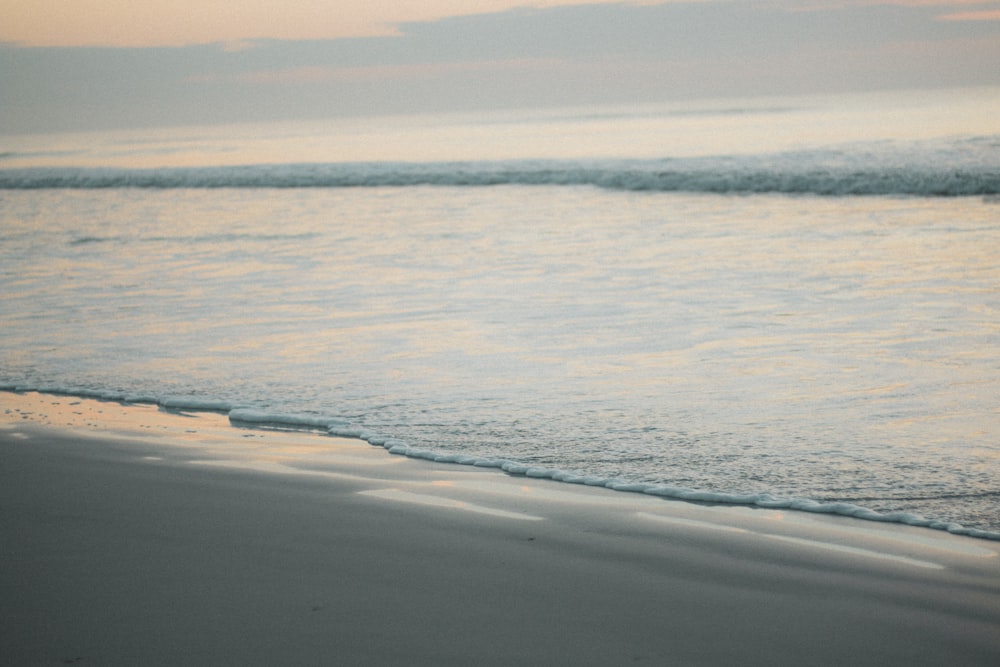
x=717, y=176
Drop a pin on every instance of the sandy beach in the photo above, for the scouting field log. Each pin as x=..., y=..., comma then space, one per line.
x=133, y=536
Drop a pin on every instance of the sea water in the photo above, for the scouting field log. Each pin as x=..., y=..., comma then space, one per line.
x=778, y=302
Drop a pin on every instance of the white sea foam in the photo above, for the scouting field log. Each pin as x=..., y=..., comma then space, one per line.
x=246, y=416
x=195, y=404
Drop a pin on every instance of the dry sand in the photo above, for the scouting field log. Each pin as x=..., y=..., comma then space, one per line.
x=130, y=536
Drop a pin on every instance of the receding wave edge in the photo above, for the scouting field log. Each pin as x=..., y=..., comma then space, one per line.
x=246, y=417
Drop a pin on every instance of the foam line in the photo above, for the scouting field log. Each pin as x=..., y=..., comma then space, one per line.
x=246, y=416
x=340, y=427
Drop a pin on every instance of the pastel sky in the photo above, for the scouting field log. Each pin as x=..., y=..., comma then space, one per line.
x=80, y=64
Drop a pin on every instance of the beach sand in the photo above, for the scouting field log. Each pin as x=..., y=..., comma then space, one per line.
x=133, y=536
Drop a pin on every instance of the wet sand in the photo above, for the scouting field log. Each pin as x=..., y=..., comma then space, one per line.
x=131, y=536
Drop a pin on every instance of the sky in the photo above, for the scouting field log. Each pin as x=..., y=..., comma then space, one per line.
x=68, y=65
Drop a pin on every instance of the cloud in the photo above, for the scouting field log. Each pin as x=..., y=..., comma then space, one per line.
x=543, y=56
x=56, y=23
x=118, y=23
x=374, y=73
x=845, y=4
x=984, y=15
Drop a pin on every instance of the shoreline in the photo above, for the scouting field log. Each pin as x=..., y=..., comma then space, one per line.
x=315, y=425
x=136, y=536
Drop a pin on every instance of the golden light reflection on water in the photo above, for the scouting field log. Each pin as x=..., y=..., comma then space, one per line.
x=201, y=437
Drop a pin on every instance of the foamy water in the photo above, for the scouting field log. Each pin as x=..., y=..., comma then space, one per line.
x=750, y=326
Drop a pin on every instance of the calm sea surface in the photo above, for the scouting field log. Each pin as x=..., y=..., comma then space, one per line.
x=758, y=300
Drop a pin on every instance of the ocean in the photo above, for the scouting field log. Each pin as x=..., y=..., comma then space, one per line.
x=775, y=302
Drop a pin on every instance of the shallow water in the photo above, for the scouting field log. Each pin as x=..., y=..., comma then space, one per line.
x=836, y=348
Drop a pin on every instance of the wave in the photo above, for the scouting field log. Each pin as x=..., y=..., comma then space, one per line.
x=715, y=176
x=246, y=417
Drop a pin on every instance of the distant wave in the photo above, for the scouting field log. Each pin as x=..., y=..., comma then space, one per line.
x=719, y=176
